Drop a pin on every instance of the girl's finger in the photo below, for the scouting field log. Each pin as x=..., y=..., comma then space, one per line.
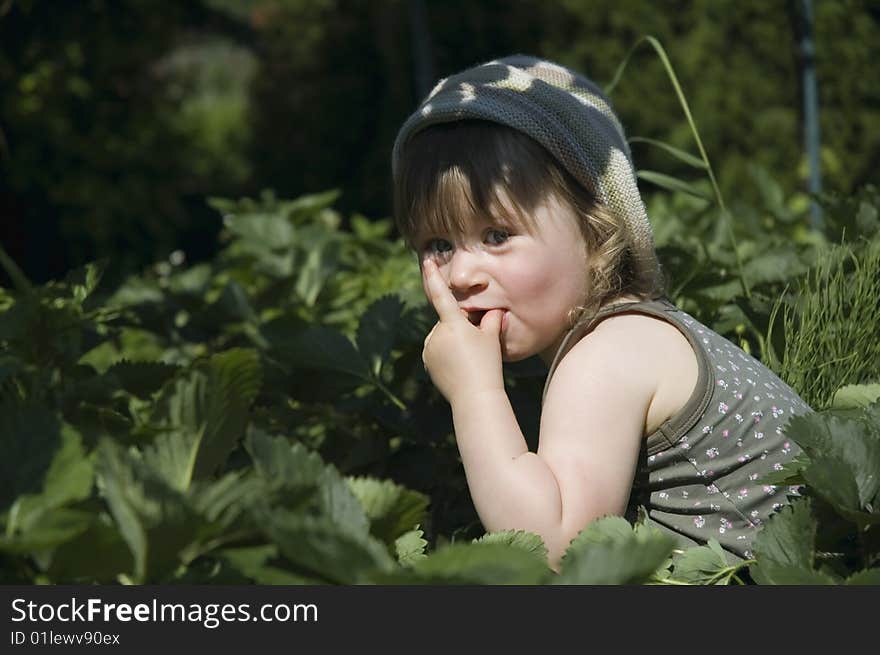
x=440, y=294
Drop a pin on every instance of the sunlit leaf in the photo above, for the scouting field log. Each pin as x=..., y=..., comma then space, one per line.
x=392, y=509
x=609, y=551
x=701, y=564
x=206, y=411
x=527, y=541
x=865, y=577
x=265, y=230
x=410, y=547
x=855, y=395
x=292, y=469
x=153, y=518
x=84, y=280
x=68, y=479
x=482, y=563
x=56, y=526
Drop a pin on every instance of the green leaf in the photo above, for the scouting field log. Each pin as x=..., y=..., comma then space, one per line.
x=309, y=205
x=393, y=510
x=377, y=331
x=254, y=563
x=702, y=565
x=672, y=184
x=292, y=469
x=681, y=155
x=321, y=261
x=263, y=230
x=234, y=305
x=323, y=349
x=775, y=266
x=225, y=502
x=325, y=548
x=98, y=554
x=141, y=379
x=137, y=291
x=834, y=480
x=70, y=475
x=785, y=548
x=193, y=281
x=845, y=458
x=602, y=530
x=84, y=280
x=865, y=577
x=789, y=475
x=788, y=536
x=56, y=526
x=153, y=518
x=283, y=463
x=855, y=395
x=205, y=411
x=410, y=547
x=609, y=551
x=29, y=438
x=68, y=479
x=527, y=541
x=481, y=563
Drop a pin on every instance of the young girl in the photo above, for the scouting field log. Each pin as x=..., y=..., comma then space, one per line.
x=513, y=181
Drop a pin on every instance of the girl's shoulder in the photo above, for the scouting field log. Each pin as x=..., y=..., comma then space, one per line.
x=651, y=353
x=659, y=352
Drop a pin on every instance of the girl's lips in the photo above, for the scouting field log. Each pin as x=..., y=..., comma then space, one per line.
x=475, y=316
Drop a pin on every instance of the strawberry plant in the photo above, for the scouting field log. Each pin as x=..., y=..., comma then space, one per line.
x=264, y=418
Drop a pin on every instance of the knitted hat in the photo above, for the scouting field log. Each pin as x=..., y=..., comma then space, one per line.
x=560, y=109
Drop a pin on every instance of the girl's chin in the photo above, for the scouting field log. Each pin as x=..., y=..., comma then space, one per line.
x=510, y=354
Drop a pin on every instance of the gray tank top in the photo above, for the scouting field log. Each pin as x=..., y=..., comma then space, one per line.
x=699, y=474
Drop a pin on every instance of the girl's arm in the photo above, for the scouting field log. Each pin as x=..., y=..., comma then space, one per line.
x=592, y=424
x=592, y=421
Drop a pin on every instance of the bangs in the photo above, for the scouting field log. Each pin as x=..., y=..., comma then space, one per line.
x=454, y=175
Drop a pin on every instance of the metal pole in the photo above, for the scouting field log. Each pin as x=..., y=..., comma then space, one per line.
x=811, y=112
x=420, y=36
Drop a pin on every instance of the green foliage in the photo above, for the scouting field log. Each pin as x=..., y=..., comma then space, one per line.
x=265, y=418
x=611, y=551
x=833, y=324
x=831, y=535
x=704, y=565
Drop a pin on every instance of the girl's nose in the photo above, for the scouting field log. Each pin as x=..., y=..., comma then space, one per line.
x=466, y=273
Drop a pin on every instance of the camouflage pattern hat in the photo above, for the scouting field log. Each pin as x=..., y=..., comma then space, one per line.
x=560, y=109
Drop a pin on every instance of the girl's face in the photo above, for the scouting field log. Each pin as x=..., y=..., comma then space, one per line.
x=537, y=277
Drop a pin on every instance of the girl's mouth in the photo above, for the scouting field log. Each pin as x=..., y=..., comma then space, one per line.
x=476, y=316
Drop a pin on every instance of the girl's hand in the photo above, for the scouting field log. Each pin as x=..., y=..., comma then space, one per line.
x=460, y=357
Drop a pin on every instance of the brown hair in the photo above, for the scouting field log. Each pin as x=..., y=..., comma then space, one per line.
x=451, y=174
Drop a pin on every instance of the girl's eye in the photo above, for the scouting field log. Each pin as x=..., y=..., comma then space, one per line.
x=438, y=246
x=496, y=237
